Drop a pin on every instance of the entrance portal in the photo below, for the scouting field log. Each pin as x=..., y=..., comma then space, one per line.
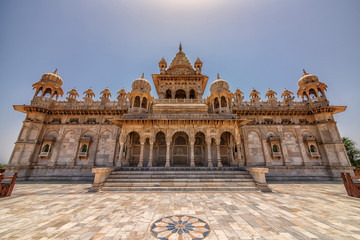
x=180, y=153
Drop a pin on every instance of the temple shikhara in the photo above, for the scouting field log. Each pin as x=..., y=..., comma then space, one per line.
x=180, y=130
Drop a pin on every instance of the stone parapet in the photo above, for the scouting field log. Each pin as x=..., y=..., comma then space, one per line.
x=55, y=173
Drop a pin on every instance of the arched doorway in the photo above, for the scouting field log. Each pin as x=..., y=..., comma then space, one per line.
x=180, y=150
x=227, y=148
x=132, y=149
x=192, y=94
x=168, y=94
x=159, y=150
x=180, y=94
x=199, y=149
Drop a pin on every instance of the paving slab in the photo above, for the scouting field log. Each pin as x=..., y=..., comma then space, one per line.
x=294, y=210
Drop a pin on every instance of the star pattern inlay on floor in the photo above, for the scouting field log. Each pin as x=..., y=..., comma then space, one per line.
x=180, y=227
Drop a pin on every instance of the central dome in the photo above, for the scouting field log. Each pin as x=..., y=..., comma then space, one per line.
x=141, y=84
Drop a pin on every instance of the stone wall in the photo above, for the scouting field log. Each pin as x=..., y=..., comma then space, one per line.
x=109, y=145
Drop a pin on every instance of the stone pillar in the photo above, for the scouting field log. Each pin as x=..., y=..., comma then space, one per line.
x=141, y=157
x=240, y=162
x=119, y=163
x=167, y=164
x=303, y=152
x=285, y=154
x=231, y=156
x=209, y=154
x=151, y=155
x=266, y=152
x=192, y=160
x=218, y=154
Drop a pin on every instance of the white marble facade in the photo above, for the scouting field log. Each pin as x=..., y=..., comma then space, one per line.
x=180, y=128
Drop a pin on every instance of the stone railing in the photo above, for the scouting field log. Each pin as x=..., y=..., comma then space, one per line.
x=278, y=105
x=193, y=116
x=179, y=101
x=81, y=105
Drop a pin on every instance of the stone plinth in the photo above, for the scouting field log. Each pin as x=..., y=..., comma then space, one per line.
x=258, y=175
x=101, y=175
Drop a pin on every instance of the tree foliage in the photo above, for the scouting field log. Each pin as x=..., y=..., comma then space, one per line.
x=352, y=151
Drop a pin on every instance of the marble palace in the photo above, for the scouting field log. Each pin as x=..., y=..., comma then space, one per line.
x=180, y=128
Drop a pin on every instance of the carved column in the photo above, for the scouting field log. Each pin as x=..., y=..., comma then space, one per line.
x=119, y=163
x=141, y=157
x=167, y=164
x=209, y=153
x=218, y=153
x=151, y=154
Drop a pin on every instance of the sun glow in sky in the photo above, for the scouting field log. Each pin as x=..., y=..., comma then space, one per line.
x=252, y=44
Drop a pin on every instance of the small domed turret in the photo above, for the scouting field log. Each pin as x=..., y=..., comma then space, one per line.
x=219, y=85
x=52, y=78
x=307, y=78
x=141, y=84
x=140, y=98
x=73, y=94
x=220, y=97
x=105, y=95
x=310, y=87
x=50, y=83
x=162, y=66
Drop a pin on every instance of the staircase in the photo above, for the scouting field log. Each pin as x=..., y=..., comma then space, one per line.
x=231, y=179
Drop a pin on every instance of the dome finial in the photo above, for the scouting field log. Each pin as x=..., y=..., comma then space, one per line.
x=218, y=76
x=305, y=73
x=55, y=72
x=180, y=47
x=142, y=75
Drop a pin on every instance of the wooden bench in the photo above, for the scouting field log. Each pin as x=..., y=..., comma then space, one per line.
x=352, y=189
x=7, y=188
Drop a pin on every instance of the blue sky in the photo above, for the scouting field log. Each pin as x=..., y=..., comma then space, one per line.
x=261, y=44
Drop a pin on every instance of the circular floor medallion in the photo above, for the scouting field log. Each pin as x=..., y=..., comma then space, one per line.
x=180, y=227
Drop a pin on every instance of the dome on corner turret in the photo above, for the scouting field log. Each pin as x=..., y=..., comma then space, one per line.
x=219, y=84
x=53, y=78
x=307, y=78
x=141, y=84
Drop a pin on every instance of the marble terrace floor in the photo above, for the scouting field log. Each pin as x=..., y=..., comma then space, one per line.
x=68, y=211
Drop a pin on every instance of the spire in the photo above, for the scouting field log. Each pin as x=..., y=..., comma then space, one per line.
x=218, y=76
x=180, y=64
x=305, y=73
x=55, y=72
x=142, y=75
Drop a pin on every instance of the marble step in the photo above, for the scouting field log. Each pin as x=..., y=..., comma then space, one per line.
x=219, y=180
x=179, y=180
x=204, y=185
x=181, y=189
x=179, y=169
x=178, y=176
x=180, y=172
